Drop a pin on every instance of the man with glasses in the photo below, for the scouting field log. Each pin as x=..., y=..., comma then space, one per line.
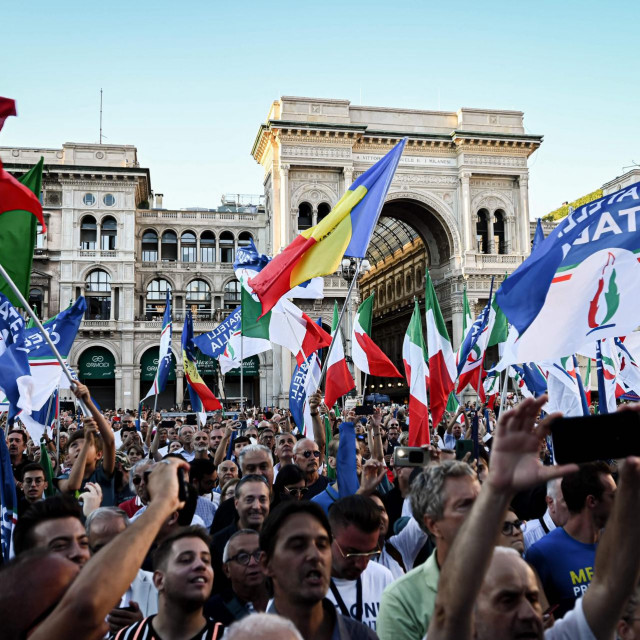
x=356, y=584
x=248, y=591
x=34, y=485
x=307, y=455
x=138, y=485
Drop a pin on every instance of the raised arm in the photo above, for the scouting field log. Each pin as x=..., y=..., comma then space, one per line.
x=618, y=557
x=221, y=451
x=108, y=440
x=76, y=476
x=375, y=436
x=514, y=467
x=99, y=586
x=318, y=427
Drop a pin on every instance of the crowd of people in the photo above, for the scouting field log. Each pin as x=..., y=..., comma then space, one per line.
x=148, y=527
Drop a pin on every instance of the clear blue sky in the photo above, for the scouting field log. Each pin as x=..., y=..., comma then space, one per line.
x=189, y=82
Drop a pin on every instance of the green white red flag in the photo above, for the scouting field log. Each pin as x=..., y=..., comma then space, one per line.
x=442, y=361
x=339, y=379
x=367, y=355
x=417, y=372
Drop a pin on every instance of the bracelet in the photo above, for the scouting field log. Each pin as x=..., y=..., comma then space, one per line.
x=317, y=413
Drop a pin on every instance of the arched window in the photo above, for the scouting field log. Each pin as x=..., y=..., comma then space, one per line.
x=207, y=247
x=149, y=246
x=244, y=238
x=232, y=294
x=305, y=216
x=156, y=298
x=323, y=210
x=169, y=246
x=226, y=247
x=409, y=285
x=36, y=299
x=399, y=287
x=188, y=246
x=97, y=289
x=482, y=232
x=389, y=292
x=88, y=233
x=199, y=298
x=498, y=232
x=108, y=233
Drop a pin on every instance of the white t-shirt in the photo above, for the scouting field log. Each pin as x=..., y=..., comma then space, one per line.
x=375, y=578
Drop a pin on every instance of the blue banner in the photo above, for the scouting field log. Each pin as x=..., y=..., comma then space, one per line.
x=214, y=342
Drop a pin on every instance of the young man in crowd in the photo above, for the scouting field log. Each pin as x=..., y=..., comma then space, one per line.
x=356, y=583
x=34, y=484
x=285, y=442
x=17, y=444
x=296, y=545
x=564, y=559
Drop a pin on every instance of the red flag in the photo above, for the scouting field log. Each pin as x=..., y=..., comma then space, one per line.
x=14, y=196
x=7, y=108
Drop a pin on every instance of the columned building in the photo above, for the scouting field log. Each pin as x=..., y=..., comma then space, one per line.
x=110, y=239
x=458, y=205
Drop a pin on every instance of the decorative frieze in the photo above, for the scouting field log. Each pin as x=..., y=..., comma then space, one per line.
x=496, y=161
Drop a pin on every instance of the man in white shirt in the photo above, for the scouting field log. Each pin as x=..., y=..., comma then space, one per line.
x=556, y=515
x=356, y=584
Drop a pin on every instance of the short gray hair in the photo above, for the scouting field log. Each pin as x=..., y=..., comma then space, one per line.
x=251, y=448
x=554, y=487
x=104, y=513
x=257, y=625
x=427, y=489
x=241, y=532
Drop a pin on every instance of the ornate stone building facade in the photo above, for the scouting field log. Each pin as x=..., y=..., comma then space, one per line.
x=458, y=205
x=110, y=240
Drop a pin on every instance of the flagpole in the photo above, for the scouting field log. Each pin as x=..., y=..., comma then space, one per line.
x=42, y=330
x=344, y=307
x=504, y=389
x=58, y=432
x=241, y=370
x=364, y=388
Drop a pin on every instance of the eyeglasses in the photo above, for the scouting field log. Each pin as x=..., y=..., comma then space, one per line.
x=308, y=454
x=136, y=480
x=364, y=554
x=244, y=558
x=296, y=491
x=33, y=480
x=509, y=528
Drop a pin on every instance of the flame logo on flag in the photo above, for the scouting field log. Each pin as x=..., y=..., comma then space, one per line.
x=611, y=297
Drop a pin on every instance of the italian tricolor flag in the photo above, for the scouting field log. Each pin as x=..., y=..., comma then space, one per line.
x=339, y=380
x=367, y=355
x=417, y=372
x=442, y=362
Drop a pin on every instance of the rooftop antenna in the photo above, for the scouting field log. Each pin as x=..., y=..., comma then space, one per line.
x=633, y=165
x=101, y=115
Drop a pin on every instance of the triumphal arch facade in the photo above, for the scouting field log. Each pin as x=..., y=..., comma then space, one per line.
x=458, y=205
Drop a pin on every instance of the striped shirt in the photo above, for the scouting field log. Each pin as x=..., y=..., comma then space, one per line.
x=144, y=630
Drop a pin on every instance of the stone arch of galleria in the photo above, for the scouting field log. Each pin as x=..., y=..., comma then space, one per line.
x=458, y=204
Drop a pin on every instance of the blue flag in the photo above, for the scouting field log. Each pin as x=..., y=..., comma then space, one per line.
x=8, y=497
x=164, y=352
x=15, y=375
x=580, y=284
x=214, y=342
x=534, y=379
x=538, y=236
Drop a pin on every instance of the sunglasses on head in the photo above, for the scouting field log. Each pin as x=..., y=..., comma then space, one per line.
x=308, y=454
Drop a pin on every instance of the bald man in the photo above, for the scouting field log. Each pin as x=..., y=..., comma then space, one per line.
x=306, y=454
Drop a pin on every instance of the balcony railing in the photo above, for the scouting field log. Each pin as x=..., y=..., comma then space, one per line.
x=194, y=215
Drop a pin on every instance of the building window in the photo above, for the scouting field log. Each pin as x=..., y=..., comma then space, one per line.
x=232, y=294
x=88, y=233
x=305, y=216
x=244, y=239
x=199, y=299
x=323, y=210
x=40, y=238
x=89, y=199
x=169, y=246
x=98, y=294
x=156, y=298
x=149, y=246
x=226, y=247
x=188, y=246
x=36, y=300
x=482, y=232
x=207, y=247
x=108, y=234
x=109, y=200
x=498, y=232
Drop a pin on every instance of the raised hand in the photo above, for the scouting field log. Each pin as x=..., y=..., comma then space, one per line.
x=515, y=465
